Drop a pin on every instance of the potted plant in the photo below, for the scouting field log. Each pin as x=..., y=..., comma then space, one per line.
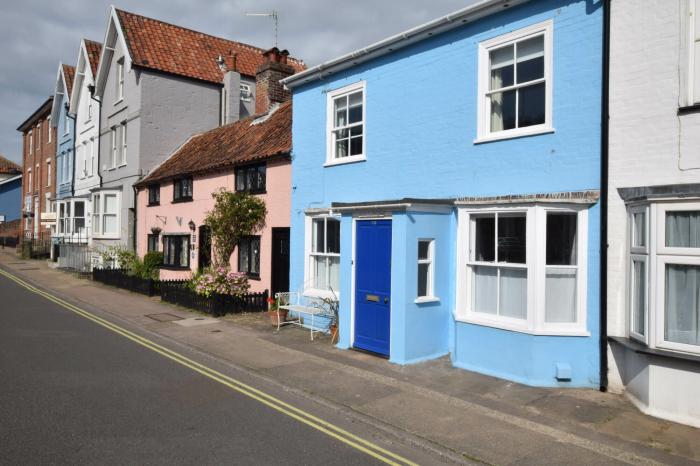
x=333, y=305
x=277, y=316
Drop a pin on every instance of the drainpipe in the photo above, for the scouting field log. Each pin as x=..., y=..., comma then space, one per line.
x=72, y=181
x=604, y=143
x=91, y=88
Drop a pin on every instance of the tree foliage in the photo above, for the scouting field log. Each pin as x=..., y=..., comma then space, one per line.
x=235, y=216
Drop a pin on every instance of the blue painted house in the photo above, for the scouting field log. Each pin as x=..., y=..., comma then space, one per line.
x=10, y=190
x=65, y=131
x=445, y=186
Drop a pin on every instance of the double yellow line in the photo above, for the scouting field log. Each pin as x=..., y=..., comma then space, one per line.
x=268, y=400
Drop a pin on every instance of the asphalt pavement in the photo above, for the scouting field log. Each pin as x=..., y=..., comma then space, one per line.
x=73, y=391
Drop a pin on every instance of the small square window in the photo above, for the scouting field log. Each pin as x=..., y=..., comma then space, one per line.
x=154, y=195
x=182, y=190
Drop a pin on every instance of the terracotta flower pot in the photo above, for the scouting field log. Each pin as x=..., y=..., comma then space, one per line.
x=334, y=333
x=277, y=319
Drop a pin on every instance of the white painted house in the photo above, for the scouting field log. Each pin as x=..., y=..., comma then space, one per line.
x=654, y=206
x=77, y=221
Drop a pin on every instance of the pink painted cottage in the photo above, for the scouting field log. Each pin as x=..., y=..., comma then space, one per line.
x=250, y=155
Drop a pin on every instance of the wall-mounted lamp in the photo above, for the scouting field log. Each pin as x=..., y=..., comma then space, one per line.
x=192, y=225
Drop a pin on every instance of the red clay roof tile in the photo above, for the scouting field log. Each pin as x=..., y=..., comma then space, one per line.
x=173, y=49
x=69, y=73
x=93, y=50
x=230, y=145
x=8, y=167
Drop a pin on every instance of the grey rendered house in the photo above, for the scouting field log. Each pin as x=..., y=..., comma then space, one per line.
x=159, y=84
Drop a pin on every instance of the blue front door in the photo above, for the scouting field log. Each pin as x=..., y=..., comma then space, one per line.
x=373, y=285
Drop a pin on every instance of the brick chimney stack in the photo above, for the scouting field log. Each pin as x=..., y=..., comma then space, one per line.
x=268, y=89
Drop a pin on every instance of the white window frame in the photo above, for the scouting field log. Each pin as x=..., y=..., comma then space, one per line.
x=670, y=255
x=38, y=134
x=536, y=223
x=66, y=124
x=120, y=80
x=113, y=148
x=98, y=213
x=48, y=173
x=638, y=254
x=330, y=119
x=309, y=276
x=245, y=92
x=122, y=143
x=693, y=86
x=92, y=157
x=48, y=128
x=430, y=261
x=30, y=179
x=484, y=133
x=31, y=142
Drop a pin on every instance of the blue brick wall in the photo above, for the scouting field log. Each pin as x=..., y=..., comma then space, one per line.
x=420, y=126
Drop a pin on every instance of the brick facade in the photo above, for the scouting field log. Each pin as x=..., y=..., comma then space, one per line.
x=268, y=89
x=39, y=159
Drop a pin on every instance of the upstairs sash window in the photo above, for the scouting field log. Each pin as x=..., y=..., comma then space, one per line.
x=346, y=124
x=515, y=83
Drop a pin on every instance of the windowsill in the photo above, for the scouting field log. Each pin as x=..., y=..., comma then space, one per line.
x=427, y=299
x=174, y=267
x=314, y=293
x=122, y=165
x=641, y=348
x=345, y=160
x=119, y=100
x=695, y=108
x=252, y=276
x=182, y=199
x=153, y=204
x=98, y=236
x=511, y=327
x=254, y=193
x=514, y=133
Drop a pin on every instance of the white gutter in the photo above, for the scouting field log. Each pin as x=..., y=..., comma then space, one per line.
x=445, y=23
x=7, y=180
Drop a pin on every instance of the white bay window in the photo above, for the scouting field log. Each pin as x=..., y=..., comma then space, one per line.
x=523, y=268
x=664, y=275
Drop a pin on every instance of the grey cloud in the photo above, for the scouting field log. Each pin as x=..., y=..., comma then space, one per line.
x=38, y=34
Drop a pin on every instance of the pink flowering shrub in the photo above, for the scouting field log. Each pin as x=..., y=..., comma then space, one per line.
x=220, y=280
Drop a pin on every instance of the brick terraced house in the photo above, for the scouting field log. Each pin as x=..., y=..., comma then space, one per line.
x=39, y=181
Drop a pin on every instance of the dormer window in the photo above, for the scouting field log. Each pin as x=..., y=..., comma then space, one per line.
x=246, y=93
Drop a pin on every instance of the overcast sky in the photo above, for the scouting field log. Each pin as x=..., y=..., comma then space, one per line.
x=35, y=35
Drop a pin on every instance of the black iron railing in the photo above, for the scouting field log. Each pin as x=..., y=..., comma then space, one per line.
x=121, y=279
x=179, y=292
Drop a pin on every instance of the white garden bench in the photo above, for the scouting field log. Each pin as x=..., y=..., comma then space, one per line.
x=309, y=311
